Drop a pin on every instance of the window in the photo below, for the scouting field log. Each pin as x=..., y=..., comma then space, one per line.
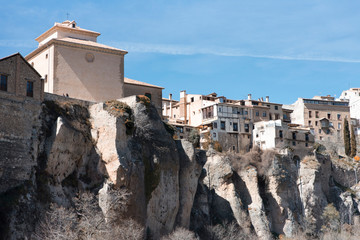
x=294, y=143
x=257, y=113
x=46, y=56
x=215, y=124
x=328, y=115
x=319, y=130
x=316, y=123
x=309, y=123
x=29, y=89
x=192, y=99
x=280, y=134
x=264, y=114
x=306, y=144
x=233, y=148
x=276, y=107
x=222, y=125
x=3, y=83
x=235, y=127
x=339, y=117
x=245, y=112
x=339, y=125
x=214, y=135
x=188, y=129
x=306, y=137
x=235, y=110
x=321, y=138
x=310, y=115
x=246, y=126
x=219, y=109
x=317, y=114
x=277, y=116
x=148, y=95
x=294, y=136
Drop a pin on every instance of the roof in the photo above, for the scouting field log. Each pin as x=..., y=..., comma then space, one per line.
x=76, y=42
x=67, y=26
x=135, y=82
x=15, y=54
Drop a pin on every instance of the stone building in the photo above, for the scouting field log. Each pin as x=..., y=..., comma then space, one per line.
x=323, y=115
x=74, y=64
x=20, y=79
x=154, y=93
x=276, y=134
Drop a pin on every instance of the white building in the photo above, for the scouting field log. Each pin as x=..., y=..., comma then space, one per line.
x=353, y=96
x=279, y=135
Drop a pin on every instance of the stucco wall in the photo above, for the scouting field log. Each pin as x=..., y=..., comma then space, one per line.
x=100, y=80
x=156, y=93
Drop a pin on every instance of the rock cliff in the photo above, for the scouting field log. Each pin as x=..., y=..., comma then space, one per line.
x=69, y=147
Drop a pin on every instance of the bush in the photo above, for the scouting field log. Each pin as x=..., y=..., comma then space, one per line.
x=120, y=109
x=180, y=234
x=217, y=146
x=194, y=137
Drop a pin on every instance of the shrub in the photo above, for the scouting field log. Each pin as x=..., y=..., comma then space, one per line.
x=331, y=218
x=180, y=234
x=217, y=146
x=194, y=137
x=120, y=109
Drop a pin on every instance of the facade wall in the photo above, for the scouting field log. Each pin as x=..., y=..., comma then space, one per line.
x=44, y=64
x=156, y=93
x=353, y=96
x=99, y=80
x=18, y=73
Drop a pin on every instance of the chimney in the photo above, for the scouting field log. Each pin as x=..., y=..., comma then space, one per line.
x=262, y=99
x=249, y=96
x=267, y=98
x=170, y=96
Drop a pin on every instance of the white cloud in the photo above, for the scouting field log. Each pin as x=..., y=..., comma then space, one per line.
x=173, y=49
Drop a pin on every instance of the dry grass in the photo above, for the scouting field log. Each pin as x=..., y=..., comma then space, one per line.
x=310, y=162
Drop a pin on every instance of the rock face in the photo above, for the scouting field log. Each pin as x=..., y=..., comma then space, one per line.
x=67, y=147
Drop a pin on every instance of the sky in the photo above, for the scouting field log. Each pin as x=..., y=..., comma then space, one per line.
x=278, y=48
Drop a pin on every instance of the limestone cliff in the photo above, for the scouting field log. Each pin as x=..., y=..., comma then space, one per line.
x=67, y=147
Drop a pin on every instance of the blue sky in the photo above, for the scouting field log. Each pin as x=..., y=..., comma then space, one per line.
x=281, y=48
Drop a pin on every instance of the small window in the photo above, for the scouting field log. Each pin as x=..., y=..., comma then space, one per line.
x=306, y=137
x=235, y=127
x=233, y=148
x=339, y=125
x=294, y=143
x=214, y=135
x=3, y=83
x=148, y=95
x=309, y=123
x=264, y=114
x=46, y=56
x=192, y=99
x=317, y=114
x=328, y=115
x=316, y=123
x=45, y=79
x=30, y=89
x=215, y=124
x=319, y=130
x=310, y=115
x=306, y=144
x=276, y=107
x=280, y=133
x=246, y=127
x=339, y=116
x=222, y=125
x=294, y=136
x=219, y=109
x=257, y=113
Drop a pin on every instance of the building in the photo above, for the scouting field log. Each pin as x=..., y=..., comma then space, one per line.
x=227, y=121
x=353, y=97
x=74, y=64
x=323, y=115
x=276, y=134
x=19, y=78
x=154, y=93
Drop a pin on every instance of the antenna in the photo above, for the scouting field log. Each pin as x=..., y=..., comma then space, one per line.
x=67, y=16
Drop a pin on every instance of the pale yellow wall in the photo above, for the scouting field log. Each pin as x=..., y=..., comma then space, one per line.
x=156, y=93
x=45, y=66
x=99, y=80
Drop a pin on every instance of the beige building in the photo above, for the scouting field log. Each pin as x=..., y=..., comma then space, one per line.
x=276, y=134
x=323, y=115
x=18, y=78
x=154, y=93
x=73, y=63
x=230, y=122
